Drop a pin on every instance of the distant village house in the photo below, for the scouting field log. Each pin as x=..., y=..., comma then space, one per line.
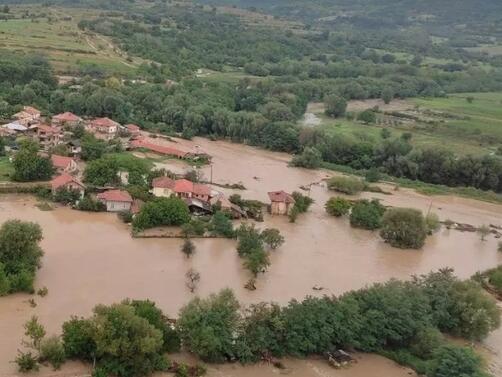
x=68, y=182
x=281, y=202
x=116, y=200
x=66, y=119
x=64, y=164
x=182, y=188
x=104, y=128
x=27, y=116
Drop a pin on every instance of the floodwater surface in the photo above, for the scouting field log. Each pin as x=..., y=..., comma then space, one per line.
x=90, y=258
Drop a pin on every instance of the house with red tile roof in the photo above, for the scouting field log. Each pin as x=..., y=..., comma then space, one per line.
x=27, y=116
x=281, y=202
x=160, y=149
x=68, y=182
x=116, y=200
x=104, y=128
x=133, y=129
x=48, y=136
x=66, y=119
x=182, y=188
x=64, y=164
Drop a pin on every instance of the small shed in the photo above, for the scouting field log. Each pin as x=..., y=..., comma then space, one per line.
x=281, y=202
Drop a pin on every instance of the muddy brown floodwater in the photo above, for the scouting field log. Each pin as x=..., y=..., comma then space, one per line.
x=90, y=258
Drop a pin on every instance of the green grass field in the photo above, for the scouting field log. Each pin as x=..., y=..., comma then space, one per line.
x=459, y=126
x=57, y=36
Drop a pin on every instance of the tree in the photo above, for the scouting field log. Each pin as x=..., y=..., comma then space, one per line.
x=455, y=361
x=20, y=253
x=257, y=261
x=221, y=225
x=162, y=211
x=188, y=247
x=367, y=214
x=193, y=278
x=432, y=222
x=29, y=166
x=404, y=228
x=52, y=351
x=92, y=148
x=335, y=106
x=35, y=331
x=483, y=231
x=367, y=116
x=208, y=326
x=387, y=95
x=102, y=172
x=272, y=237
x=126, y=344
x=310, y=158
x=337, y=206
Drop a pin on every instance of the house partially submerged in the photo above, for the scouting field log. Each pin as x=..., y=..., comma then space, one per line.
x=182, y=188
x=227, y=206
x=68, y=182
x=104, y=128
x=67, y=119
x=281, y=202
x=64, y=164
x=116, y=200
x=156, y=148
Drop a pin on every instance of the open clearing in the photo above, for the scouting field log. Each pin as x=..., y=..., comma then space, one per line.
x=54, y=32
x=452, y=122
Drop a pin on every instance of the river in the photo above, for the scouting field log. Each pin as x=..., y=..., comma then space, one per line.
x=90, y=258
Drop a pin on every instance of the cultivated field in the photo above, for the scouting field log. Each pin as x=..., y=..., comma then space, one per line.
x=54, y=32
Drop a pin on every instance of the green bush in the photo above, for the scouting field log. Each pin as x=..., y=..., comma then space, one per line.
x=432, y=223
x=125, y=216
x=66, y=196
x=404, y=228
x=26, y=362
x=346, y=185
x=338, y=206
x=495, y=279
x=78, y=339
x=221, y=225
x=426, y=342
x=52, y=351
x=91, y=205
x=162, y=212
x=367, y=214
x=456, y=361
x=372, y=175
x=310, y=158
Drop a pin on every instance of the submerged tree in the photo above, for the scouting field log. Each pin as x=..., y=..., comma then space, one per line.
x=193, y=278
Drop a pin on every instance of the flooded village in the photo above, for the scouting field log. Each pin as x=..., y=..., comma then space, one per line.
x=91, y=258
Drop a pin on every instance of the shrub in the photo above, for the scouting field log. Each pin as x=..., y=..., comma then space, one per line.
x=125, y=216
x=78, y=339
x=346, y=185
x=404, y=228
x=310, y=158
x=372, y=175
x=432, y=223
x=367, y=214
x=272, y=237
x=495, y=279
x=52, y=351
x=455, y=361
x=221, y=225
x=26, y=362
x=42, y=292
x=91, y=205
x=337, y=206
x=162, y=211
x=66, y=196
x=426, y=342
x=367, y=116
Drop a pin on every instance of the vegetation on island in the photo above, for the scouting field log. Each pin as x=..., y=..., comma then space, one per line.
x=406, y=321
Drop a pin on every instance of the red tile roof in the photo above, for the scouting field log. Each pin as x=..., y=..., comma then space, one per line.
x=115, y=196
x=181, y=186
x=67, y=117
x=281, y=197
x=63, y=180
x=104, y=122
x=31, y=110
x=163, y=182
x=61, y=162
x=158, y=148
x=132, y=127
x=48, y=129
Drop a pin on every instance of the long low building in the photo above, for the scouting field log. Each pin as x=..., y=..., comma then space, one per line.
x=160, y=149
